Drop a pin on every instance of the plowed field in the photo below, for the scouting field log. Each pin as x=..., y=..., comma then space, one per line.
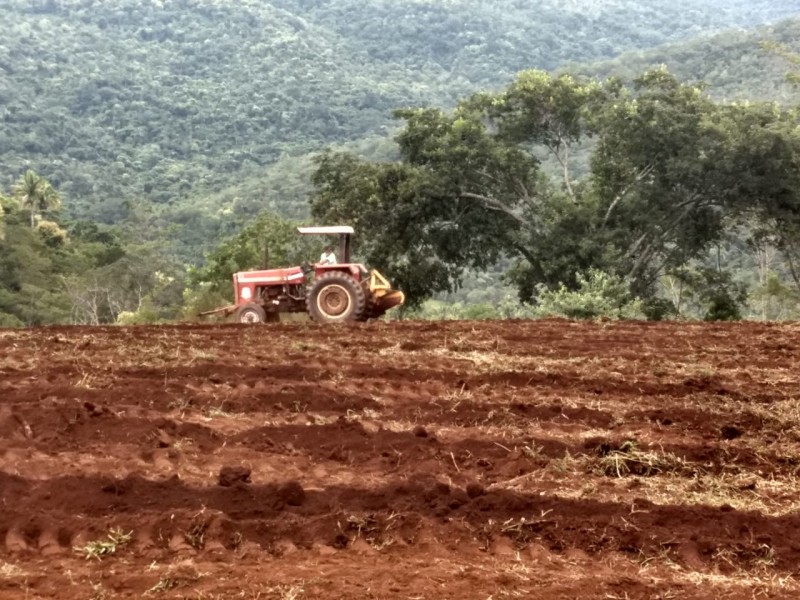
x=411, y=460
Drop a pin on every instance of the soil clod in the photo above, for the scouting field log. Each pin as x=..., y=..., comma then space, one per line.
x=228, y=476
x=420, y=432
x=292, y=493
x=731, y=432
x=163, y=439
x=475, y=489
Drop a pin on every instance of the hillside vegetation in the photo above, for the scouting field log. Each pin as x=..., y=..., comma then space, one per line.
x=177, y=101
x=733, y=63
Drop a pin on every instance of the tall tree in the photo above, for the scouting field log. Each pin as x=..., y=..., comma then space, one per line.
x=765, y=161
x=36, y=194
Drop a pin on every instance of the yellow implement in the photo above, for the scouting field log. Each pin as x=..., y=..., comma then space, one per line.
x=383, y=296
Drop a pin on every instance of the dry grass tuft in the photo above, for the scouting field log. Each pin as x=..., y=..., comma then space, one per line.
x=178, y=575
x=629, y=460
x=10, y=571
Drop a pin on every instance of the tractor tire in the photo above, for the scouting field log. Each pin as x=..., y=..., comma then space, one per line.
x=336, y=297
x=250, y=314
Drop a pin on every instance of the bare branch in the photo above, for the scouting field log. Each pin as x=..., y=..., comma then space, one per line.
x=635, y=246
x=624, y=192
x=565, y=165
x=689, y=205
x=563, y=161
x=790, y=262
x=495, y=204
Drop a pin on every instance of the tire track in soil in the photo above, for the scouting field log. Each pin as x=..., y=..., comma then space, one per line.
x=274, y=513
x=88, y=427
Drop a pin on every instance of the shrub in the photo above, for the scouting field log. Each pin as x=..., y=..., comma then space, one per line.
x=147, y=314
x=200, y=298
x=7, y=320
x=722, y=297
x=659, y=309
x=599, y=295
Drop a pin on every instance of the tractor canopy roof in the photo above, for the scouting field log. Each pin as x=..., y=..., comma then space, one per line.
x=331, y=229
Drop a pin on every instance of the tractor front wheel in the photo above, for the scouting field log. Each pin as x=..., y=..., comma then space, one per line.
x=250, y=313
x=336, y=297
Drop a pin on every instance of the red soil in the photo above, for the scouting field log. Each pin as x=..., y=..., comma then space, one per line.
x=412, y=460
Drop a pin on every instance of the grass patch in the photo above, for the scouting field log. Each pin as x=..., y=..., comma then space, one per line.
x=98, y=549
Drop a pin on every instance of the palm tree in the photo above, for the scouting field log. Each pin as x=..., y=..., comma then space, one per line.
x=36, y=193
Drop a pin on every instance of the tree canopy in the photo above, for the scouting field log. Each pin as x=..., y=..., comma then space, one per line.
x=36, y=194
x=669, y=168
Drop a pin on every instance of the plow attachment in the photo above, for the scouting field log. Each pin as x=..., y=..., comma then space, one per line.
x=382, y=295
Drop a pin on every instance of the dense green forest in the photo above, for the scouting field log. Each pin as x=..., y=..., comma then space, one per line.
x=175, y=102
x=165, y=126
x=733, y=64
x=54, y=270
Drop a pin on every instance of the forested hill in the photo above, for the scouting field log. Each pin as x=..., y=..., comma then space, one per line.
x=490, y=41
x=733, y=63
x=173, y=101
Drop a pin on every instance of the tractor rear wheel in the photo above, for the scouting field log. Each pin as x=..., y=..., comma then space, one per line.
x=250, y=313
x=336, y=297
x=371, y=311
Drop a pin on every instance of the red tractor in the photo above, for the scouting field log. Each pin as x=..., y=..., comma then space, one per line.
x=338, y=291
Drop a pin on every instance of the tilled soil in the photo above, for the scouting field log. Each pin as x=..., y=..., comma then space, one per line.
x=544, y=459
